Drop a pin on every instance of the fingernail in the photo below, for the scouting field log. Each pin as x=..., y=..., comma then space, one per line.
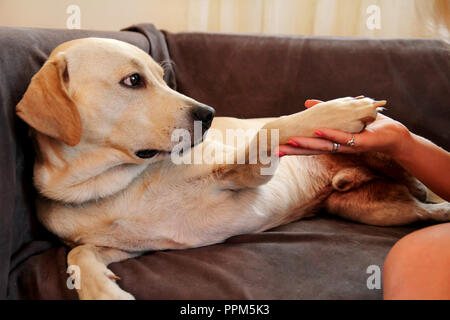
x=320, y=134
x=293, y=143
x=280, y=154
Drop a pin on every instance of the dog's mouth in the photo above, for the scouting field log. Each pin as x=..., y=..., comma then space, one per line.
x=151, y=153
x=148, y=153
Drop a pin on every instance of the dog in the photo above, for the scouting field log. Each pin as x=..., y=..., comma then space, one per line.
x=102, y=120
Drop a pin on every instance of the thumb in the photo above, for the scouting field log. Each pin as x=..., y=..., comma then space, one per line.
x=311, y=103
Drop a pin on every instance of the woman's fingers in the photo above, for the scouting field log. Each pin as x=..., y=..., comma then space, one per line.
x=311, y=143
x=311, y=146
x=287, y=150
x=311, y=103
x=327, y=140
x=318, y=144
x=336, y=135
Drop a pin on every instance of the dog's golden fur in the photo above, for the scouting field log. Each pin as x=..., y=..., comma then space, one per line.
x=110, y=205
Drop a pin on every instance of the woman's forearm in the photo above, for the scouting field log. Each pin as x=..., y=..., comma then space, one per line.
x=427, y=162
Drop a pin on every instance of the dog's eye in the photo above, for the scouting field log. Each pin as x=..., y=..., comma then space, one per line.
x=132, y=81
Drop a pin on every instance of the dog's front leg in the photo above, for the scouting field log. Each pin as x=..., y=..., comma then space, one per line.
x=96, y=281
x=347, y=114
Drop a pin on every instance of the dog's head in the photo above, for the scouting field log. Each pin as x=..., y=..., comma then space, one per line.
x=107, y=93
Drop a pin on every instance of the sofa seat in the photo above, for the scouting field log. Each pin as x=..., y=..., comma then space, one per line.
x=316, y=258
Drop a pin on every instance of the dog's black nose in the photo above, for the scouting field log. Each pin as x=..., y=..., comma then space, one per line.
x=205, y=114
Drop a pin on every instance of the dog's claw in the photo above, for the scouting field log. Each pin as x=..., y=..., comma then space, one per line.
x=112, y=276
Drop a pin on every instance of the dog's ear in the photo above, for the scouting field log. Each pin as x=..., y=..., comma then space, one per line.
x=46, y=105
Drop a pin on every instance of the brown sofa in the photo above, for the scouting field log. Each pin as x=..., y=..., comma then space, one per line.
x=242, y=76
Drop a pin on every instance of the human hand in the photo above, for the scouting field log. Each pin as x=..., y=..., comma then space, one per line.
x=383, y=135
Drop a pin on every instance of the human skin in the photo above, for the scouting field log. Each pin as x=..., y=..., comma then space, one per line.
x=419, y=156
x=418, y=266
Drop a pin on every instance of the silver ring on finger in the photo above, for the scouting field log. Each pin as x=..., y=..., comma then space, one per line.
x=335, y=147
x=351, y=142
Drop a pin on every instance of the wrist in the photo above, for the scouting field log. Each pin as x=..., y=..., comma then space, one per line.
x=403, y=147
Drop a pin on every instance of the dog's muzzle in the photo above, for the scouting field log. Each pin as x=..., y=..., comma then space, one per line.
x=205, y=114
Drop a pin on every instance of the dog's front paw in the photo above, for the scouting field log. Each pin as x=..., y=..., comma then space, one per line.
x=101, y=285
x=348, y=114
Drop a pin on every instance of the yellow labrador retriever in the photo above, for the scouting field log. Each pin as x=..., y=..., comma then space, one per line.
x=103, y=122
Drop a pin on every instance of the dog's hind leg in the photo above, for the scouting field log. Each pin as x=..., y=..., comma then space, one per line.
x=351, y=178
x=385, y=165
x=384, y=203
x=96, y=281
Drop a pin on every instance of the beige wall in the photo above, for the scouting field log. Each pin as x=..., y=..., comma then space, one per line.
x=95, y=14
x=399, y=18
